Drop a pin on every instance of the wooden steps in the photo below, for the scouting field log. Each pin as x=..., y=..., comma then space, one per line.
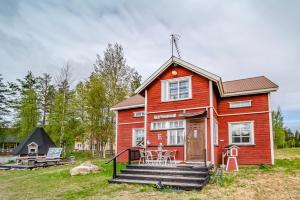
x=180, y=177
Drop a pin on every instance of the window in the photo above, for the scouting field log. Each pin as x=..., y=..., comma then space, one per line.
x=163, y=125
x=139, y=114
x=138, y=137
x=241, y=133
x=32, y=148
x=215, y=132
x=240, y=104
x=176, y=89
x=175, y=137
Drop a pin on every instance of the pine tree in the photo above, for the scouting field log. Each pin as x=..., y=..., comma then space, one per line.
x=3, y=103
x=28, y=109
x=46, y=94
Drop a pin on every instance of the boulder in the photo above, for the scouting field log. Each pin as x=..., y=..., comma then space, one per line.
x=84, y=168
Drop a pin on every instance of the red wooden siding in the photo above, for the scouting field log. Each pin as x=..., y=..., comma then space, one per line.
x=124, y=139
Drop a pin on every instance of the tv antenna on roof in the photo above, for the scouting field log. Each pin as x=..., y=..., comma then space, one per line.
x=174, y=43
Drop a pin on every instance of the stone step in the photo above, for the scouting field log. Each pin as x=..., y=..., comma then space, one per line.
x=172, y=178
x=176, y=185
x=165, y=172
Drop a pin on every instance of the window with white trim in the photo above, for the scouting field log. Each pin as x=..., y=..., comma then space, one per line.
x=175, y=137
x=138, y=136
x=139, y=114
x=240, y=104
x=241, y=133
x=176, y=89
x=32, y=148
x=215, y=132
x=164, y=125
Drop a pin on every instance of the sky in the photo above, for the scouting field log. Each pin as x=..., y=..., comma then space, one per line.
x=233, y=39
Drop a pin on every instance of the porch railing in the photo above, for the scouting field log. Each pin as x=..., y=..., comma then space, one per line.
x=133, y=154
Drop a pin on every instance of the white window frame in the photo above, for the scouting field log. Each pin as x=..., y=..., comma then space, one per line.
x=176, y=144
x=35, y=148
x=240, y=104
x=216, y=132
x=139, y=114
x=165, y=88
x=251, y=142
x=166, y=125
x=134, y=135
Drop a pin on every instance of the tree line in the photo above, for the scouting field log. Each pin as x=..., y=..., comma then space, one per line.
x=283, y=137
x=70, y=112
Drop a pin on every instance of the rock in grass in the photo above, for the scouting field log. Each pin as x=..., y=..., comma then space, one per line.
x=84, y=168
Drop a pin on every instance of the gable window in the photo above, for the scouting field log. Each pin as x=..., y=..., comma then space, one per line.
x=240, y=104
x=215, y=132
x=175, y=137
x=176, y=89
x=139, y=114
x=241, y=133
x=138, y=136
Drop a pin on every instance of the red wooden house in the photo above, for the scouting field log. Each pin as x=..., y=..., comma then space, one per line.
x=191, y=110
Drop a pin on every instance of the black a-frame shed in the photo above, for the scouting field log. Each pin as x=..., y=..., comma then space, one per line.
x=37, y=143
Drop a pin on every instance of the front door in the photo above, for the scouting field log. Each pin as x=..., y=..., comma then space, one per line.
x=195, y=137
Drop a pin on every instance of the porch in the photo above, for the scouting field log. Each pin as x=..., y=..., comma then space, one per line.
x=182, y=176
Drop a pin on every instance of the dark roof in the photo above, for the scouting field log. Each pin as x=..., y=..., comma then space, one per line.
x=134, y=101
x=10, y=139
x=248, y=84
x=40, y=137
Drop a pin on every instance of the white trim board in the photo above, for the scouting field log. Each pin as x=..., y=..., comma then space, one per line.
x=128, y=107
x=124, y=123
x=271, y=130
x=182, y=63
x=211, y=118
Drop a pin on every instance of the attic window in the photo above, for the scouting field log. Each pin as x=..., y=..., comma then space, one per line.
x=139, y=114
x=176, y=89
x=240, y=104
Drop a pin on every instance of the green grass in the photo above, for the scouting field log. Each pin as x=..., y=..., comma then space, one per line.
x=57, y=183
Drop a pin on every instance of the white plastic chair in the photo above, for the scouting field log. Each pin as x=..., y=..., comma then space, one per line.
x=142, y=156
x=149, y=158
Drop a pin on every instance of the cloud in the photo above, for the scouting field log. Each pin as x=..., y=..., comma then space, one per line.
x=234, y=39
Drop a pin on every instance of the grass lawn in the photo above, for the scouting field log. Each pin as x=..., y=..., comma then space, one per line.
x=281, y=181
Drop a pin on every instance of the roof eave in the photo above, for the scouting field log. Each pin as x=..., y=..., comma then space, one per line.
x=127, y=107
x=267, y=90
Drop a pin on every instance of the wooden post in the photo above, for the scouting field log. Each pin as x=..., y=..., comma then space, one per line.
x=129, y=156
x=205, y=164
x=115, y=168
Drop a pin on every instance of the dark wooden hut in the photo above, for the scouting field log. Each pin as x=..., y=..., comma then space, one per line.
x=36, y=144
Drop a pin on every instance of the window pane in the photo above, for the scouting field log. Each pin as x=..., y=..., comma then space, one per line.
x=172, y=135
x=180, y=136
x=246, y=139
x=236, y=140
